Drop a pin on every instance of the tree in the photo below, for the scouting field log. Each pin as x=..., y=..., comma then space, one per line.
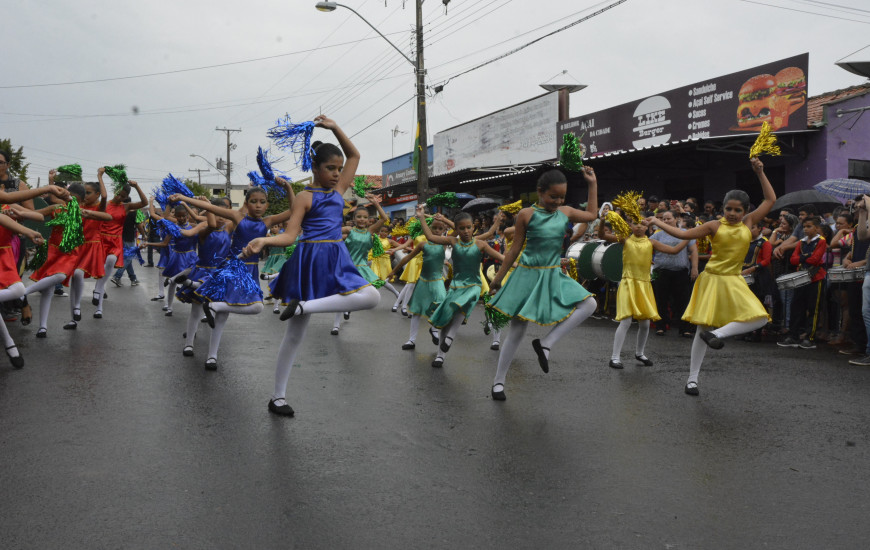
x=17, y=167
x=198, y=189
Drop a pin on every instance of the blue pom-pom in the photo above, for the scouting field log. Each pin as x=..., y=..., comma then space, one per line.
x=169, y=228
x=134, y=252
x=264, y=164
x=233, y=274
x=295, y=138
x=173, y=185
x=256, y=179
x=274, y=187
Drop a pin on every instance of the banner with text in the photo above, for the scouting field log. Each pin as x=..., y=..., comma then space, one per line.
x=728, y=105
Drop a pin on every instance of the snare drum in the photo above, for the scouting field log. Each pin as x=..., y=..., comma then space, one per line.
x=845, y=275
x=582, y=252
x=750, y=279
x=397, y=257
x=793, y=280
x=607, y=262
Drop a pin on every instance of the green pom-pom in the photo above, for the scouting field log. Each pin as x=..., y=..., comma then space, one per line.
x=141, y=216
x=70, y=172
x=377, y=247
x=289, y=250
x=447, y=200
x=118, y=173
x=379, y=283
x=571, y=153
x=493, y=317
x=415, y=229
x=360, y=187
x=70, y=217
x=39, y=257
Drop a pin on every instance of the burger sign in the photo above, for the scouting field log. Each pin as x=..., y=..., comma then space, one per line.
x=770, y=98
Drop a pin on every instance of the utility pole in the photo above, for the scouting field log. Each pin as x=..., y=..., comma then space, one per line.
x=423, y=166
x=199, y=172
x=230, y=146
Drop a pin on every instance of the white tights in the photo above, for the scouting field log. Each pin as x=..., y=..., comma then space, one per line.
x=449, y=331
x=76, y=288
x=622, y=330
x=365, y=298
x=100, y=286
x=222, y=312
x=193, y=323
x=45, y=287
x=12, y=292
x=518, y=330
x=404, y=296
x=699, y=347
x=159, y=286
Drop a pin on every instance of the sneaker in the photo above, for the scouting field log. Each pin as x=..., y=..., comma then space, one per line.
x=116, y=281
x=60, y=292
x=854, y=350
x=788, y=342
x=807, y=344
x=134, y=282
x=862, y=362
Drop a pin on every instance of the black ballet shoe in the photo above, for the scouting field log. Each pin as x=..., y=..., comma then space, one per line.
x=26, y=312
x=434, y=337
x=187, y=351
x=712, y=340
x=165, y=308
x=180, y=279
x=290, y=310
x=405, y=312
x=42, y=333
x=498, y=395
x=394, y=309
x=409, y=345
x=647, y=362
x=105, y=296
x=346, y=315
x=211, y=363
x=168, y=313
x=166, y=282
x=262, y=276
x=494, y=346
x=487, y=329
x=18, y=361
x=438, y=363
x=72, y=325
x=445, y=345
x=95, y=298
x=277, y=310
x=543, y=361
x=209, y=317
x=692, y=388
x=98, y=315
x=334, y=332
x=77, y=315
x=157, y=298
x=282, y=410
x=615, y=364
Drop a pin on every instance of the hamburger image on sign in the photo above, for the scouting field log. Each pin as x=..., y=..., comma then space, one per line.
x=791, y=84
x=759, y=103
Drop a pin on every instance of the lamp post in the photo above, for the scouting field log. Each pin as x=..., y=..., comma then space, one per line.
x=420, y=73
x=219, y=171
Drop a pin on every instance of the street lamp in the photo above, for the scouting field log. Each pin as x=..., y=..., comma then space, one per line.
x=423, y=166
x=210, y=164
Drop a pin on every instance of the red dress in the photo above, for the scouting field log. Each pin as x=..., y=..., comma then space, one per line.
x=8, y=266
x=111, y=232
x=90, y=257
x=56, y=261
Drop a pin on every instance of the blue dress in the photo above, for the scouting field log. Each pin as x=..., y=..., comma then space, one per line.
x=212, y=251
x=228, y=282
x=183, y=254
x=248, y=230
x=321, y=265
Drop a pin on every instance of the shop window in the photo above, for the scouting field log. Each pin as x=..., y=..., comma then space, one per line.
x=859, y=169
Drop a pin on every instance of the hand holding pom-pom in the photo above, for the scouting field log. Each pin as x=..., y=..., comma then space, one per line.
x=374, y=199
x=757, y=165
x=322, y=121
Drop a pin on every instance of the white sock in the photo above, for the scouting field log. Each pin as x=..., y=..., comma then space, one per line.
x=336, y=322
x=496, y=336
x=220, y=319
x=509, y=348
x=159, y=282
x=400, y=297
x=619, y=338
x=76, y=287
x=699, y=349
x=293, y=336
x=642, y=335
x=583, y=311
x=415, y=328
x=365, y=298
x=100, y=286
x=192, y=324
x=170, y=293
x=392, y=289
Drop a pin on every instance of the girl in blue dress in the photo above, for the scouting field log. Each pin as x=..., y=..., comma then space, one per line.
x=246, y=227
x=181, y=260
x=320, y=276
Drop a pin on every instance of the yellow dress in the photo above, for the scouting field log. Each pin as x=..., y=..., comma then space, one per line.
x=635, y=298
x=415, y=266
x=381, y=265
x=721, y=294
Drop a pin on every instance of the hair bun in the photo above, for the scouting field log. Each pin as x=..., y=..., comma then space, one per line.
x=316, y=144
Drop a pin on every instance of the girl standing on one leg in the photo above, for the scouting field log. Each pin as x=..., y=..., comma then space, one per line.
x=538, y=291
x=320, y=276
x=721, y=297
x=165, y=251
x=110, y=235
x=234, y=298
x=429, y=289
x=465, y=288
x=273, y=264
x=182, y=258
x=634, y=297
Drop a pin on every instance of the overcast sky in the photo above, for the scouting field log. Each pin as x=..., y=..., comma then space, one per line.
x=638, y=48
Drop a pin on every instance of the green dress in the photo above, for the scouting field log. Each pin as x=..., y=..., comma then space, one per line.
x=430, y=291
x=538, y=291
x=276, y=259
x=359, y=242
x=465, y=289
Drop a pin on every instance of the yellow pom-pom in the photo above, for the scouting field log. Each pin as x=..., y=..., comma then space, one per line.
x=619, y=225
x=572, y=269
x=627, y=202
x=765, y=143
x=513, y=207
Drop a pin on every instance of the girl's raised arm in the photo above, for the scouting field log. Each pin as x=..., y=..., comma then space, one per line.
x=757, y=215
x=143, y=200
x=522, y=221
x=281, y=217
x=301, y=206
x=351, y=154
x=382, y=216
x=591, y=212
x=234, y=215
x=431, y=237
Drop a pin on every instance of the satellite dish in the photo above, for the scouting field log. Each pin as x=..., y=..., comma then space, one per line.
x=860, y=68
x=555, y=86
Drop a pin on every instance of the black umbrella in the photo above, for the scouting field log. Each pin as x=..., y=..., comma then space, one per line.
x=479, y=205
x=796, y=199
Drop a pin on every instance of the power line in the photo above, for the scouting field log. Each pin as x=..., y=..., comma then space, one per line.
x=386, y=115
x=804, y=11
x=835, y=5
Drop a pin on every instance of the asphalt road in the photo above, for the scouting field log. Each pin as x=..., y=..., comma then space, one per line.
x=109, y=438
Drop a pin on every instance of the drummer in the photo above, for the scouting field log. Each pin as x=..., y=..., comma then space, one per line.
x=807, y=256
x=757, y=265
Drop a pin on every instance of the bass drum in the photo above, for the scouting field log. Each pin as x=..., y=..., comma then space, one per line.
x=397, y=257
x=582, y=252
x=607, y=262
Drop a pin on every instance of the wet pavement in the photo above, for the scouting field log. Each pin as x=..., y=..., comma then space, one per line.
x=109, y=438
